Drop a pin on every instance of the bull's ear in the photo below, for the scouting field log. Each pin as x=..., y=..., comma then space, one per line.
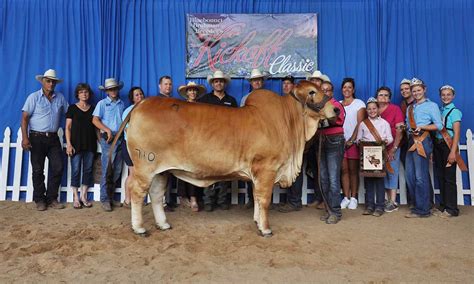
x=311, y=126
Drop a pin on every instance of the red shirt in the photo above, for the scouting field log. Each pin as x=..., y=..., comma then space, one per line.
x=393, y=115
x=337, y=127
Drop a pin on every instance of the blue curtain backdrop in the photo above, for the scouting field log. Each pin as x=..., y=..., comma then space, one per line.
x=377, y=42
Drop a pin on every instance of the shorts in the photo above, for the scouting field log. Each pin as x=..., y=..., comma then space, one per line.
x=391, y=180
x=125, y=155
x=352, y=153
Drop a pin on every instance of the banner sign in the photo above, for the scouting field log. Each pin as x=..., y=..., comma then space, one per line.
x=279, y=44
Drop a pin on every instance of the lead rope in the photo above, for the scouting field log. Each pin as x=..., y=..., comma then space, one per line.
x=328, y=208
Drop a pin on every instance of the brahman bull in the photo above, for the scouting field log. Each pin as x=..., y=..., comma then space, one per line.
x=202, y=144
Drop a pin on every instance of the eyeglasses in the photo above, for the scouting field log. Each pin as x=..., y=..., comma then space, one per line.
x=383, y=95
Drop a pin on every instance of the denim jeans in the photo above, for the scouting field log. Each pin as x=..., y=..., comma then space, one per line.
x=446, y=179
x=42, y=147
x=105, y=195
x=375, y=193
x=84, y=159
x=332, y=153
x=418, y=177
x=220, y=189
x=295, y=191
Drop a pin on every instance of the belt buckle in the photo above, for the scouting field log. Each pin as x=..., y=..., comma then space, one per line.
x=47, y=134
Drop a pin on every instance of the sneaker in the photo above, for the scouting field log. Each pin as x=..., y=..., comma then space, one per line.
x=208, y=207
x=106, y=206
x=345, y=202
x=286, y=208
x=249, y=205
x=378, y=213
x=368, y=211
x=333, y=219
x=56, y=205
x=412, y=215
x=446, y=215
x=390, y=207
x=352, y=204
x=40, y=206
x=437, y=212
x=224, y=206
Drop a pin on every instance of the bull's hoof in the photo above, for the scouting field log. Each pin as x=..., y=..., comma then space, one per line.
x=163, y=227
x=141, y=232
x=266, y=233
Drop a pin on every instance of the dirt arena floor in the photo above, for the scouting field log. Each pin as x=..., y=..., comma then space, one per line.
x=93, y=246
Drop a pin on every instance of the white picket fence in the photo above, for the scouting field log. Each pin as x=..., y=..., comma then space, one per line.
x=16, y=188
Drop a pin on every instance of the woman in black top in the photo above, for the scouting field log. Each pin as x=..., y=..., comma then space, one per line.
x=81, y=138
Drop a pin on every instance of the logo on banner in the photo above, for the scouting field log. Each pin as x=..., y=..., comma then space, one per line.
x=237, y=43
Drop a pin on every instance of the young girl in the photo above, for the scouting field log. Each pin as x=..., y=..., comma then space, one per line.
x=445, y=157
x=374, y=129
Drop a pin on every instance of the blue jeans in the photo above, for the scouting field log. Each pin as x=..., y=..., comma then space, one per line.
x=105, y=195
x=86, y=159
x=375, y=193
x=418, y=177
x=332, y=153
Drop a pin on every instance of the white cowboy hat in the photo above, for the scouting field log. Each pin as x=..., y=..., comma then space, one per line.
x=218, y=74
x=325, y=78
x=111, y=83
x=316, y=74
x=50, y=74
x=256, y=73
x=184, y=88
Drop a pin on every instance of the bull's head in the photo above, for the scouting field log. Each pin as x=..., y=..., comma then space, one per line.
x=316, y=105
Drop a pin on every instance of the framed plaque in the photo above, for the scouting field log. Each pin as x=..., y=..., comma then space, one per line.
x=372, y=159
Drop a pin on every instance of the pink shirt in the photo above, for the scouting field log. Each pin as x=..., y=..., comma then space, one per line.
x=382, y=126
x=337, y=127
x=393, y=115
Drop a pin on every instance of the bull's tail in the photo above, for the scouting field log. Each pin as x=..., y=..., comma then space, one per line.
x=109, y=177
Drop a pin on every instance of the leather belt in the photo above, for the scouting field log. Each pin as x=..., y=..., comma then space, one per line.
x=44, y=134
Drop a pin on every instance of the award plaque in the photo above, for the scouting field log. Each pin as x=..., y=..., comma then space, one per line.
x=372, y=159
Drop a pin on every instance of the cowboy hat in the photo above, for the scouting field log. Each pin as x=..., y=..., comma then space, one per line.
x=50, y=74
x=255, y=74
x=182, y=90
x=218, y=74
x=111, y=83
x=316, y=75
x=325, y=78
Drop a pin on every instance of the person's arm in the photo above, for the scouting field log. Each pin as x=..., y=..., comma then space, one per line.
x=361, y=115
x=25, y=142
x=456, y=137
x=69, y=148
x=98, y=123
x=396, y=141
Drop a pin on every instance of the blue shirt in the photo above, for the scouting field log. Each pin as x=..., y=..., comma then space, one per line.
x=454, y=116
x=426, y=113
x=45, y=114
x=110, y=113
x=124, y=115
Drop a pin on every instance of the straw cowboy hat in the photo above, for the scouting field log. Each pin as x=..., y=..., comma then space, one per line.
x=182, y=90
x=50, y=74
x=111, y=83
x=255, y=74
x=218, y=74
x=316, y=74
x=325, y=78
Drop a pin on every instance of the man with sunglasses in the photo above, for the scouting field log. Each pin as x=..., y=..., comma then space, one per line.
x=40, y=119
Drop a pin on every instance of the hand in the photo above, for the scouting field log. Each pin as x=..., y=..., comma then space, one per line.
x=391, y=154
x=70, y=150
x=109, y=135
x=452, y=158
x=417, y=131
x=349, y=143
x=25, y=144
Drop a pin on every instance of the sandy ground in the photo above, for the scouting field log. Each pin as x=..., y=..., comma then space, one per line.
x=90, y=245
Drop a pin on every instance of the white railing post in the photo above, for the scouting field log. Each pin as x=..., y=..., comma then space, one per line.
x=17, y=167
x=470, y=162
x=4, y=165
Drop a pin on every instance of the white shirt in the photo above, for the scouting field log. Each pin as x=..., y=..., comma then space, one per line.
x=351, y=117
